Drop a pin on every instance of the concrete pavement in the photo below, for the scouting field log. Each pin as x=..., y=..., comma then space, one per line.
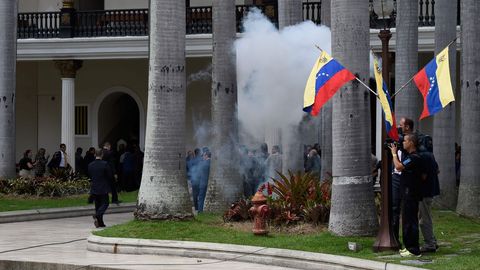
x=61, y=244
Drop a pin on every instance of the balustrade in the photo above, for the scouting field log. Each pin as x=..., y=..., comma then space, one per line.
x=38, y=25
x=199, y=20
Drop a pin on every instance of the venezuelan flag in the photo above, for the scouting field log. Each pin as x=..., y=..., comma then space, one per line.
x=326, y=77
x=434, y=83
x=386, y=102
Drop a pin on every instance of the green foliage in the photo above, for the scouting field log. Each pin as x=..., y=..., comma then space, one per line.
x=459, y=239
x=298, y=197
x=238, y=211
x=27, y=202
x=44, y=187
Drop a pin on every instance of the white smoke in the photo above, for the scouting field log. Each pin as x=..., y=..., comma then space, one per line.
x=272, y=70
x=202, y=75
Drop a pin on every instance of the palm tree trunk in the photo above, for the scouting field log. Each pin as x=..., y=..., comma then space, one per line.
x=326, y=113
x=225, y=185
x=469, y=191
x=353, y=207
x=8, y=53
x=163, y=192
x=408, y=103
x=444, y=121
x=290, y=13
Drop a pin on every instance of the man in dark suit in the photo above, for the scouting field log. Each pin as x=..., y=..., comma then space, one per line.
x=60, y=159
x=109, y=157
x=100, y=174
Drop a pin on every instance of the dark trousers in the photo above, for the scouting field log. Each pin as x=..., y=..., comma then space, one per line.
x=410, y=224
x=101, y=205
x=113, y=187
x=195, y=192
x=396, y=205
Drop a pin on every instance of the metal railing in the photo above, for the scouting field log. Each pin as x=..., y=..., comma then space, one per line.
x=134, y=22
x=38, y=25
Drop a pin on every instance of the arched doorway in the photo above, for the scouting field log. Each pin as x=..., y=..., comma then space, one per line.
x=118, y=115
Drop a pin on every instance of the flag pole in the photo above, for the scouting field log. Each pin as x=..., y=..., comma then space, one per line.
x=366, y=86
x=360, y=81
x=403, y=86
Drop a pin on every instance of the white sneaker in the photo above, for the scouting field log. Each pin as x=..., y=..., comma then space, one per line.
x=409, y=254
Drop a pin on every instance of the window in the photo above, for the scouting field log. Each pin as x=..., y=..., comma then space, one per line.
x=81, y=120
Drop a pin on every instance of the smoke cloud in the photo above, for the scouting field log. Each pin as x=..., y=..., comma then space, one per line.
x=272, y=69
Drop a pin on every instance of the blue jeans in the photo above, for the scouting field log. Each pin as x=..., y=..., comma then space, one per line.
x=201, y=196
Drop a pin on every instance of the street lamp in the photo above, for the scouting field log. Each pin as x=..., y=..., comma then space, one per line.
x=385, y=238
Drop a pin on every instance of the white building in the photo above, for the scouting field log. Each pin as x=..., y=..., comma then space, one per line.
x=92, y=87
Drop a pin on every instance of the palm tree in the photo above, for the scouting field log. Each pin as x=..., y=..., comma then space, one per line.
x=469, y=191
x=353, y=207
x=326, y=113
x=290, y=13
x=8, y=53
x=444, y=121
x=163, y=192
x=408, y=102
x=225, y=185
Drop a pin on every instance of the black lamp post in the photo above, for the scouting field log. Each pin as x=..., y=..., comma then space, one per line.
x=385, y=238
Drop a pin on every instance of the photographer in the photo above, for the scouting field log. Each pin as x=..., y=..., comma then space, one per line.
x=410, y=186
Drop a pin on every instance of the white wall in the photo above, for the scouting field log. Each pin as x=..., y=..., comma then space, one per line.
x=126, y=4
x=26, y=109
x=39, y=89
x=39, y=5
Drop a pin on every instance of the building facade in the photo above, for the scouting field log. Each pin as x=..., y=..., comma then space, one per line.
x=82, y=69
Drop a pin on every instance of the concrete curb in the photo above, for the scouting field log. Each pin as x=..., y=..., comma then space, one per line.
x=65, y=212
x=229, y=252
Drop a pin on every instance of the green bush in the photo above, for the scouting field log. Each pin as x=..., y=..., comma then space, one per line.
x=296, y=197
x=44, y=187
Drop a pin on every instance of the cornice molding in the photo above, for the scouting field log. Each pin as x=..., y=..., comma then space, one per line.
x=199, y=45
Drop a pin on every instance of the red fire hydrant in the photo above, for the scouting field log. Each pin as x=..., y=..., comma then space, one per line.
x=259, y=211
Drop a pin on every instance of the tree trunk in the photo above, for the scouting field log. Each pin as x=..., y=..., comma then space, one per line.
x=326, y=113
x=444, y=121
x=289, y=13
x=353, y=207
x=8, y=53
x=225, y=185
x=469, y=191
x=408, y=103
x=163, y=193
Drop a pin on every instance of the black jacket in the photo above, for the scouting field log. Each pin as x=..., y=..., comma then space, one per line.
x=100, y=174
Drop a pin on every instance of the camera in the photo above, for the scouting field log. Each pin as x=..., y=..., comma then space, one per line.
x=389, y=141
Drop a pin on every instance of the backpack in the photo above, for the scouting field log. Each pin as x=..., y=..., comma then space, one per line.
x=425, y=143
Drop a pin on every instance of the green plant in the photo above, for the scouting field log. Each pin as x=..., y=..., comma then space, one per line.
x=44, y=187
x=298, y=197
x=238, y=211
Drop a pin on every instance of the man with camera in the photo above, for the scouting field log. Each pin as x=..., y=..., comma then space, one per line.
x=410, y=191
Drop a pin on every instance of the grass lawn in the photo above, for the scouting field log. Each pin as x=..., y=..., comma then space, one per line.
x=459, y=238
x=13, y=203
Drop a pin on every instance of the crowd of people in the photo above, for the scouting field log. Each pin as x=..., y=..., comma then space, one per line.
x=126, y=162
x=256, y=166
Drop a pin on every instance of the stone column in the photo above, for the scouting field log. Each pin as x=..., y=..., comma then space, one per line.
x=68, y=70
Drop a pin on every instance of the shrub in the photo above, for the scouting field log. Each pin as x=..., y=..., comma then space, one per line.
x=296, y=197
x=44, y=187
x=238, y=211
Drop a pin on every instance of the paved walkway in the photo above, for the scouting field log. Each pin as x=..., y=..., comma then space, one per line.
x=64, y=241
